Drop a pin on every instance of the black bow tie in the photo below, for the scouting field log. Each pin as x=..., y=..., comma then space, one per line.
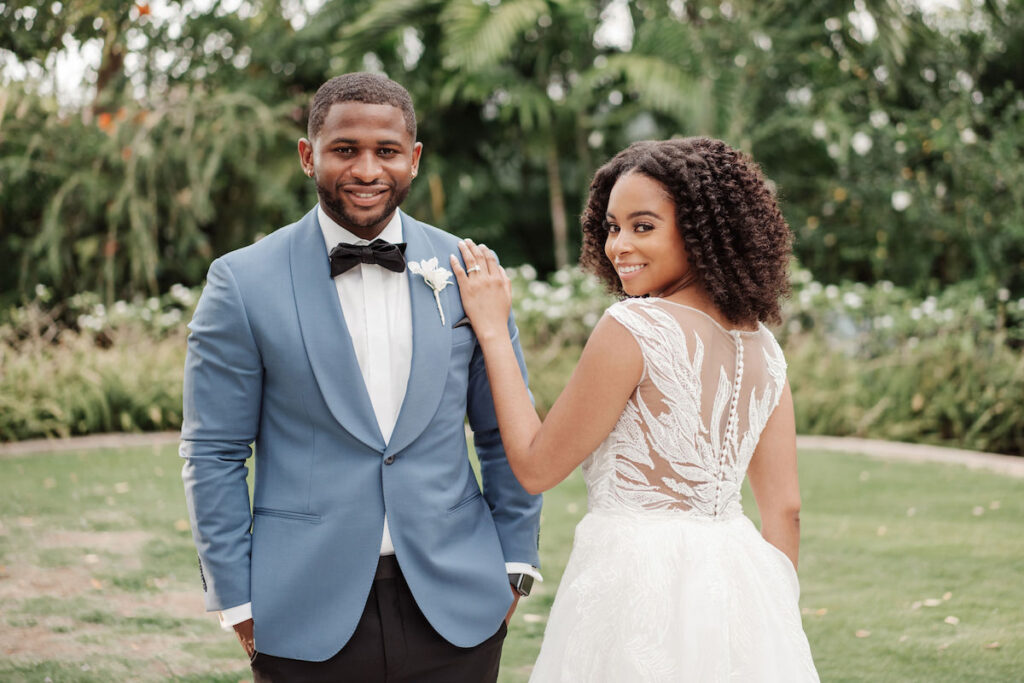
x=379, y=252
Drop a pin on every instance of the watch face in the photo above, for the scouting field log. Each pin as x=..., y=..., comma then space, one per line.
x=523, y=584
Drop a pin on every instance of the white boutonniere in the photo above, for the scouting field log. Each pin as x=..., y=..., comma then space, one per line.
x=435, y=277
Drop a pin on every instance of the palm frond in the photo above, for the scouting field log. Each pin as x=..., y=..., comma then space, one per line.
x=478, y=35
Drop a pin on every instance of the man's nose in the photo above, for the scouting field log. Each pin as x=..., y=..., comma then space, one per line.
x=366, y=168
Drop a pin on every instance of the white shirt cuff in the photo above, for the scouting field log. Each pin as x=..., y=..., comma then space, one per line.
x=234, y=615
x=523, y=568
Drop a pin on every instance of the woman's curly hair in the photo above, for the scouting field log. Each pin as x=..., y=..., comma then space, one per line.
x=733, y=231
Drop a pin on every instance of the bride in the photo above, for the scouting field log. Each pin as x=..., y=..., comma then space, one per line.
x=680, y=392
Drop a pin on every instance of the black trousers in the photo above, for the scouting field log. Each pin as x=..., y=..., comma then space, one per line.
x=393, y=643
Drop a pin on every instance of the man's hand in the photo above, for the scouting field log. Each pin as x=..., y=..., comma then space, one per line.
x=244, y=632
x=515, y=602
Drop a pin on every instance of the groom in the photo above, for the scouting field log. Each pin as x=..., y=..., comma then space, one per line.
x=370, y=553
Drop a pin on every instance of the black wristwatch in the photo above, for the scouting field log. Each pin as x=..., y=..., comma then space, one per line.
x=521, y=583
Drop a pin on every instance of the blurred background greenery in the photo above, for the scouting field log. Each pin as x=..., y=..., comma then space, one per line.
x=893, y=131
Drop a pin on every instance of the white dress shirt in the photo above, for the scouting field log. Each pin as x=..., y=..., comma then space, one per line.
x=376, y=305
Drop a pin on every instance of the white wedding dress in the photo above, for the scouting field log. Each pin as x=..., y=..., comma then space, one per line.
x=668, y=580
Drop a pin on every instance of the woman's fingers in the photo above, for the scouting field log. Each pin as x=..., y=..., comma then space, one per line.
x=477, y=255
x=460, y=274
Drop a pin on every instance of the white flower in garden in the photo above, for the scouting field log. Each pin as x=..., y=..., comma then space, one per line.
x=538, y=288
x=940, y=190
x=801, y=96
x=831, y=291
x=435, y=277
x=833, y=150
x=819, y=129
x=182, y=294
x=1003, y=294
x=901, y=199
x=968, y=136
x=852, y=300
x=900, y=147
x=861, y=143
x=879, y=118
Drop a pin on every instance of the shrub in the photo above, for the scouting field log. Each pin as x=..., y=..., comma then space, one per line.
x=869, y=361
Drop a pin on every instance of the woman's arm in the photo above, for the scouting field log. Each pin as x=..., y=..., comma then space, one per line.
x=773, y=479
x=542, y=454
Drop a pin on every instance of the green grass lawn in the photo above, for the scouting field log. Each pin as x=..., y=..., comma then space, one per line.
x=910, y=572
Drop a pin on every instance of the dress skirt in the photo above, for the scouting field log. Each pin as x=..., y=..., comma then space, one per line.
x=651, y=597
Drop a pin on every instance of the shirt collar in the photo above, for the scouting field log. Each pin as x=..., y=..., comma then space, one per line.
x=334, y=233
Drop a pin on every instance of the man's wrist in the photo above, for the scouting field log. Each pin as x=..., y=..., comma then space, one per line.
x=234, y=615
x=521, y=583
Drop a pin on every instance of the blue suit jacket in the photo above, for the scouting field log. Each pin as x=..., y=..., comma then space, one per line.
x=270, y=361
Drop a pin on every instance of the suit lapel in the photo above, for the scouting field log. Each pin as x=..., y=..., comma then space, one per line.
x=326, y=336
x=431, y=341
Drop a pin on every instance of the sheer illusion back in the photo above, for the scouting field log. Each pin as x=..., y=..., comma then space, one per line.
x=688, y=432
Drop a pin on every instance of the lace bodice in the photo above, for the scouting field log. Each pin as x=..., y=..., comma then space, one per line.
x=688, y=432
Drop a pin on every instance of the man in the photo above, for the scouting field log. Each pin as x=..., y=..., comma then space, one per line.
x=370, y=553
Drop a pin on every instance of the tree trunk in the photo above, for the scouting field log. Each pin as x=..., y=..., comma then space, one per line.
x=559, y=226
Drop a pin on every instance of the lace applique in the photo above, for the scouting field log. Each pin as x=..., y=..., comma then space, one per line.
x=688, y=432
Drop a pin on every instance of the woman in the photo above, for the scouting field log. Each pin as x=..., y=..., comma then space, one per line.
x=676, y=397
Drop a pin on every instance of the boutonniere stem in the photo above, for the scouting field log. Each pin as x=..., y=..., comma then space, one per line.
x=436, y=278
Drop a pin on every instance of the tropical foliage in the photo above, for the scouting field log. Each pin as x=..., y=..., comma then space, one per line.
x=893, y=135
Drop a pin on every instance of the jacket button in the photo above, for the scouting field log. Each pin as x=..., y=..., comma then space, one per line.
x=388, y=460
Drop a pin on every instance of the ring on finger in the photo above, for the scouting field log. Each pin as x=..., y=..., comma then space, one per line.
x=472, y=269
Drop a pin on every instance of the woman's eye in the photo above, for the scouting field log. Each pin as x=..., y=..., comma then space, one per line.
x=643, y=227
x=612, y=228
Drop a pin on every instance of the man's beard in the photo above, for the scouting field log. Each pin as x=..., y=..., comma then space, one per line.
x=336, y=208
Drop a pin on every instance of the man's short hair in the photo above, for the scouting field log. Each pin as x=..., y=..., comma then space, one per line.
x=360, y=87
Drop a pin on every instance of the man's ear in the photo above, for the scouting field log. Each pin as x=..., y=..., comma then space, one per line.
x=417, y=150
x=306, y=156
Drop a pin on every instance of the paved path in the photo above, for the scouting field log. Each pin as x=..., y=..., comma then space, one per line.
x=889, y=450
x=894, y=450
x=78, y=443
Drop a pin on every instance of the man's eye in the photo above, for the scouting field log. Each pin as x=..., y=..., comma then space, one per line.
x=388, y=152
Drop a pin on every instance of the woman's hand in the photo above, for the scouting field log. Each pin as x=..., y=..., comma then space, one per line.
x=485, y=289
